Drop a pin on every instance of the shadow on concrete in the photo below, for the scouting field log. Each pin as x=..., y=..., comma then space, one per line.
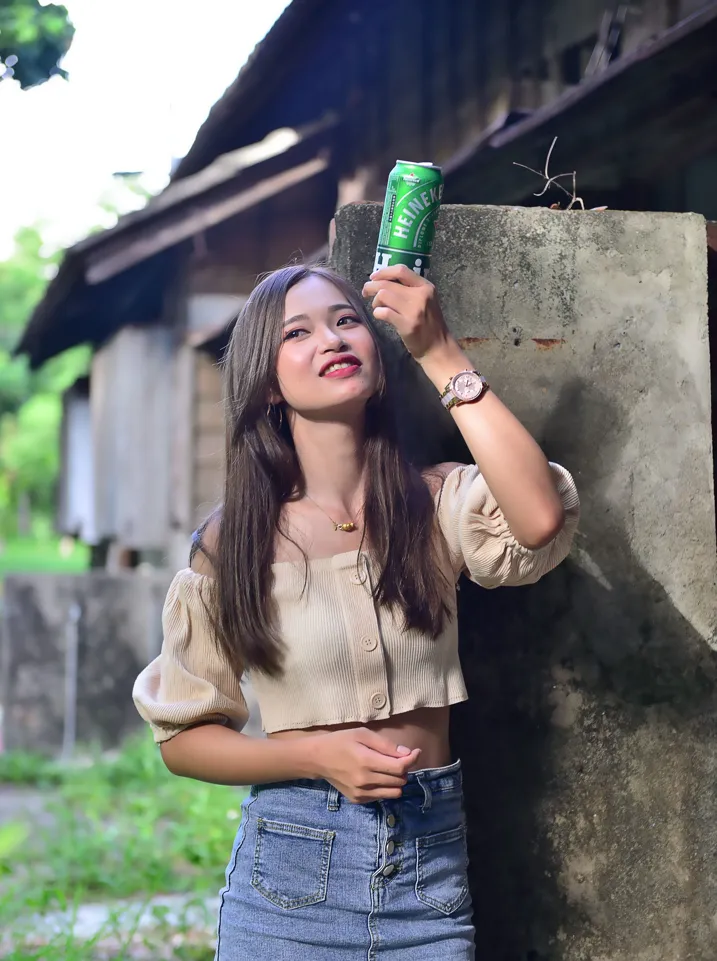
x=712, y=339
x=613, y=640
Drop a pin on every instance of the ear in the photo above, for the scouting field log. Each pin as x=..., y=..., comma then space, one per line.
x=273, y=395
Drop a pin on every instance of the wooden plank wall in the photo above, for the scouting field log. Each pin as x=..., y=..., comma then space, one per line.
x=449, y=72
x=131, y=411
x=75, y=502
x=208, y=447
x=180, y=495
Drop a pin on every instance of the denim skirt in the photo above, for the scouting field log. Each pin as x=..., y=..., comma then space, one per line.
x=317, y=878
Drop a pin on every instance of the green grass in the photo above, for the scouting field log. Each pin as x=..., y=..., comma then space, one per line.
x=121, y=828
x=26, y=768
x=30, y=555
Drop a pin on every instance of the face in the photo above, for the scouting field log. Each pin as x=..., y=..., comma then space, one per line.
x=328, y=361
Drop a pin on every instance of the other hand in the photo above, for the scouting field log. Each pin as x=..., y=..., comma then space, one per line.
x=364, y=765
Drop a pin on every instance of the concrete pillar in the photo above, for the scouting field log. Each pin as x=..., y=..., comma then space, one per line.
x=589, y=738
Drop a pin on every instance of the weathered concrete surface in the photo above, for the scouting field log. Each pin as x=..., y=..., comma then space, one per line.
x=119, y=630
x=590, y=736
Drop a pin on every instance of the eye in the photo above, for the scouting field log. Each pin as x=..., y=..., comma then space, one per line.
x=293, y=334
x=349, y=319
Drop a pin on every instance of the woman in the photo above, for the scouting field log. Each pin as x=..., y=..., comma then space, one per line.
x=330, y=574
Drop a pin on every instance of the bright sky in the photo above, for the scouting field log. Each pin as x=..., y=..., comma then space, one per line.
x=143, y=76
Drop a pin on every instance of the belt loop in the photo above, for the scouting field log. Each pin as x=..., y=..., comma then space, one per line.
x=427, y=796
x=332, y=800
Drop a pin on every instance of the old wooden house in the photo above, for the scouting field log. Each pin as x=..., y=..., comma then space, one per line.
x=316, y=118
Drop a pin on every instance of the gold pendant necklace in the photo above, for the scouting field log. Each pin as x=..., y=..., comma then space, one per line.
x=348, y=527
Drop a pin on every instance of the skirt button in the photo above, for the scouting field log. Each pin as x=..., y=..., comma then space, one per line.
x=388, y=870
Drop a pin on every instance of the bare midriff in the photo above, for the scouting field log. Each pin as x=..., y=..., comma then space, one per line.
x=426, y=727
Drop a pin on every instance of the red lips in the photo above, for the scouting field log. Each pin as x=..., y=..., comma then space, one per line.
x=341, y=359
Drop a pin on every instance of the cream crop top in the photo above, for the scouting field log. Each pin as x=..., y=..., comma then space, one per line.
x=346, y=660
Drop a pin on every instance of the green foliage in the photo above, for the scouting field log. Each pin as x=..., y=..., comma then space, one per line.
x=12, y=838
x=23, y=278
x=30, y=401
x=117, y=827
x=33, y=39
x=29, y=451
x=14, y=381
x=41, y=553
x=22, y=282
x=27, y=768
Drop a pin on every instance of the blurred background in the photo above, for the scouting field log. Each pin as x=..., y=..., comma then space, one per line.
x=156, y=157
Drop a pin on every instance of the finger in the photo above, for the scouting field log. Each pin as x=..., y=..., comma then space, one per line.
x=384, y=781
x=381, y=743
x=401, y=273
x=372, y=287
x=388, y=299
x=387, y=315
x=395, y=766
x=380, y=794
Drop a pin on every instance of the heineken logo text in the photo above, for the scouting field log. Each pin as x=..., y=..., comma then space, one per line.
x=416, y=263
x=412, y=209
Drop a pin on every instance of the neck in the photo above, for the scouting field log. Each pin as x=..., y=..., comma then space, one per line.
x=332, y=462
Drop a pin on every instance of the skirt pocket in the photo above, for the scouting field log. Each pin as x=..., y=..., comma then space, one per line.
x=291, y=863
x=441, y=870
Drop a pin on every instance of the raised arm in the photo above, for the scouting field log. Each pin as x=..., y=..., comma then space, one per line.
x=514, y=469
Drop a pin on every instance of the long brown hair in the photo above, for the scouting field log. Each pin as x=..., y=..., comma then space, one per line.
x=263, y=473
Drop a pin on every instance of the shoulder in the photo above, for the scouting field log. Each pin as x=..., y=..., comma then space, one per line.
x=205, y=541
x=435, y=475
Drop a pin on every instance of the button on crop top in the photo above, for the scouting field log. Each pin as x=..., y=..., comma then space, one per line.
x=345, y=659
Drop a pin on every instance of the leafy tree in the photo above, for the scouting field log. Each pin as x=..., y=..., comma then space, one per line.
x=23, y=277
x=29, y=456
x=30, y=402
x=33, y=39
x=22, y=282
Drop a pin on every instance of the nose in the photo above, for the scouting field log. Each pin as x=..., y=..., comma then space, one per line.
x=331, y=340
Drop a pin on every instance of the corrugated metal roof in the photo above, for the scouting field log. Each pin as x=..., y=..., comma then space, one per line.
x=139, y=249
x=260, y=74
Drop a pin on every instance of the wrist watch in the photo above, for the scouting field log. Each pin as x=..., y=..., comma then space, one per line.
x=464, y=388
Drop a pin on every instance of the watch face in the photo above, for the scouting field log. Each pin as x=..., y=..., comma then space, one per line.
x=467, y=385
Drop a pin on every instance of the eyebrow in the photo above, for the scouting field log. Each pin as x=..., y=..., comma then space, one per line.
x=332, y=309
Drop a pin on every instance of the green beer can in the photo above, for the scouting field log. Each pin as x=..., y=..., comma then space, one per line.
x=408, y=225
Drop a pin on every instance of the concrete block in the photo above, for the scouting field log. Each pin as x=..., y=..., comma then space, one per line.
x=589, y=738
x=118, y=632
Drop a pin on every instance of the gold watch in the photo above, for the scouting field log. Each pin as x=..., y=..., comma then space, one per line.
x=464, y=388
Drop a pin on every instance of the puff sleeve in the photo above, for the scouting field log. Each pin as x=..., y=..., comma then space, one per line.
x=479, y=541
x=189, y=682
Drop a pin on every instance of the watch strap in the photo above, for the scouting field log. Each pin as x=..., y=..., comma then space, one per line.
x=453, y=401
